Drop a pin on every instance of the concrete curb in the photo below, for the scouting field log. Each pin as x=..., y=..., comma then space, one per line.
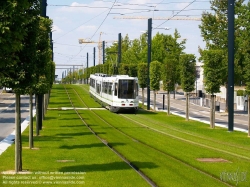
x=195, y=119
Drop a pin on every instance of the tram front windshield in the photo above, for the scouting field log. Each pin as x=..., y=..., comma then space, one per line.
x=127, y=89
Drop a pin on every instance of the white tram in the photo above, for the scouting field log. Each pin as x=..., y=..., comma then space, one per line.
x=117, y=93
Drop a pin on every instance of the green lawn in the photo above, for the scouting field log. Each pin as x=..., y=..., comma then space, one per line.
x=66, y=145
x=165, y=148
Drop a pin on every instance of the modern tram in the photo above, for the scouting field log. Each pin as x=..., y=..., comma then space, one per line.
x=116, y=92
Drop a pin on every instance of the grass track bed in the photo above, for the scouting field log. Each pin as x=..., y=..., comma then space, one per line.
x=243, y=151
x=65, y=138
x=208, y=152
x=181, y=150
x=161, y=169
x=168, y=157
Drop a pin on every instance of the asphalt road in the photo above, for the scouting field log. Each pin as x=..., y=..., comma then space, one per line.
x=7, y=113
x=178, y=106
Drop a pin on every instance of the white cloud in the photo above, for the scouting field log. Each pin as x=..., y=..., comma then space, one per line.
x=139, y=1
x=57, y=29
x=84, y=8
x=181, y=5
x=86, y=28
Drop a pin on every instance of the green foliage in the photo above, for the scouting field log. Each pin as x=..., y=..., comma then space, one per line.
x=188, y=72
x=133, y=70
x=43, y=59
x=168, y=71
x=20, y=74
x=52, y=74
x=241, y=93
x=213, y=71
x=214, y=30
x=14, y=17
x=245, y=45
x=106, y=68
x=155, y=75
x=142, y=74
x=167, y=47
x=247, y=73
x=124, y=69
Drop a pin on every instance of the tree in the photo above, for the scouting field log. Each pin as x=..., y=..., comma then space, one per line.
x=212, y=76
x=166, y=49
x=19, y=28
x=214, y=29
x=155, y=77
x=142, y=77
x=42, y=85
x=168, y=78
x=247, y=80
x=124, y=69
x=245, y=49
x=132, y=54
x=188, y=75
x=133, y=70
x=12, y=18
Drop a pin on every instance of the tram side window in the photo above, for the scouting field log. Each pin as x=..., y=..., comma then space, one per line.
x=110, y=88
x=107, y=87
x=103, y=87
x=136, y=89
x=116, y=88
x=98, y=88
x=92, y=83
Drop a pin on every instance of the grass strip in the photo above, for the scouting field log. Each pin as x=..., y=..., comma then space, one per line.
x=67, y=154
x=198, y=133
x=189, y=152
x=163, y=170
x=182, y=150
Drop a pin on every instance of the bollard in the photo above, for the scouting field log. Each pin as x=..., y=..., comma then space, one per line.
x=163, y=102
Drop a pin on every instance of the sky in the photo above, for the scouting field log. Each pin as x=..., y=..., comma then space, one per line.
x=95, y=21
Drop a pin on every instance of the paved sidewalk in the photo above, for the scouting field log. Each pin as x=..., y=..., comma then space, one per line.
x=197, y=112
x=180, y=97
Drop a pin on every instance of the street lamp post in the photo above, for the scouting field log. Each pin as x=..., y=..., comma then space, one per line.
x=230, y=65
x=87, y=66
x=103, y=52
x=94, y=57
x=149, y=60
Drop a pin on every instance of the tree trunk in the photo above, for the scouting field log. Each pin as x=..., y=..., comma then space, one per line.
x=174, y=90
x=37, y=115
x=44, y=105
x=142, y=96
x=212, y=111
x=40, y=106
x=18, y=139
x=248, y=116
x=31, y=145
x=168, y=102
x=154, y=99
x=187, y=106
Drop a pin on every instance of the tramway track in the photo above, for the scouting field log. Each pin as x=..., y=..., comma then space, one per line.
x=144, y=144
x=186, y=140
x=147, y=179
x=187, y=133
